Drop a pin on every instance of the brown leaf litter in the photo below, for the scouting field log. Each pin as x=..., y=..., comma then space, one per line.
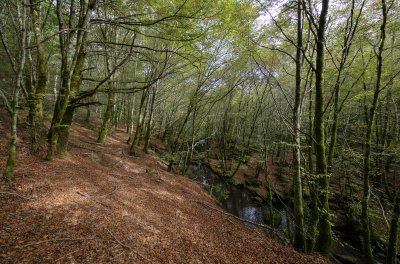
x=99, y=205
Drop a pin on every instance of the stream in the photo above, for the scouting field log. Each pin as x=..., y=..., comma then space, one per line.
x=239, y=201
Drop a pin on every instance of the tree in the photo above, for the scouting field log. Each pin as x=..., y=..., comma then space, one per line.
x=368, y=135
x=299, y=239
x=72, y=64
x=324, y=240
x=36, y=90
x=17, y=61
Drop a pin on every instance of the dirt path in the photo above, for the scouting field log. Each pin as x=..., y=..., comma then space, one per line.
x=99, y=205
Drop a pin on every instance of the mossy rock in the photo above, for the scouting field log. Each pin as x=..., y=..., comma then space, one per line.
x=151, y=170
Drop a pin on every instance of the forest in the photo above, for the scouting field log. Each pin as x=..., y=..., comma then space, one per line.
x=281, y=119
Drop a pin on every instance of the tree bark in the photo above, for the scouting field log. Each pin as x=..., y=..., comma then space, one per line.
x=324, y=239
x=132, y=150
x=150, y=119
x=299, y=240
x=37, y=95
x=107, y=117
x=394, y=226
x=71, y=73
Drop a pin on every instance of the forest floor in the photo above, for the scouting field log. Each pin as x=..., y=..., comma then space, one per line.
x=100, y=205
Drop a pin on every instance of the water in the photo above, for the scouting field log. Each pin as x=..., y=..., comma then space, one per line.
x=237, y=199
x=242, y=203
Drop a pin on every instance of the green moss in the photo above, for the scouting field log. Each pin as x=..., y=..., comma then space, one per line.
x=9, y=170
x=151, y=170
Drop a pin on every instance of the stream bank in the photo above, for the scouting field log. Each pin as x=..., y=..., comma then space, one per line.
x=238, y=200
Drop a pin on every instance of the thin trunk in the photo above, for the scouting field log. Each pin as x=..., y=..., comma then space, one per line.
x=313, y=187
x=150, y=120
x=88, y=114
x=131, y=108
x=394, y=226
x=12, y=147
x=299, y=241
x=368, y=137
x=350, y=30
x=132, y=150
x=142, y=127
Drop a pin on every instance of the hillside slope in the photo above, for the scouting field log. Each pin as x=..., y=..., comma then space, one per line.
x=99, y=205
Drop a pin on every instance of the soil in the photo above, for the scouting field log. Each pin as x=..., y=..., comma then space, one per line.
x=100, y=205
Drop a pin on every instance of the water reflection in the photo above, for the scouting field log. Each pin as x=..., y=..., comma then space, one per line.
x=239, y=201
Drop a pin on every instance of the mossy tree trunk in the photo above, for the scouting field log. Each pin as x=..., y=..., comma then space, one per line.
x=37, y=95
x=150, y=119
x=324, y=239
x=312, y=185
x=71, y=75
x=63, y=131
x=105, y=126
x=394, y=227
x=143, y=98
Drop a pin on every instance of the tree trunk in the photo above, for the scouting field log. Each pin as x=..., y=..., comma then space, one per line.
x=107, y=117
x=71, y=75
x=150, y=120
x=299, y=241
x=37, y=96
x=143, y=121
x=132, y=150
x=12, y=147
x=368, y=137
x=313, y=187
x=13, y=108
x=324, y=239
x=63, y=131
x=394, y=226
x=88, y=113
